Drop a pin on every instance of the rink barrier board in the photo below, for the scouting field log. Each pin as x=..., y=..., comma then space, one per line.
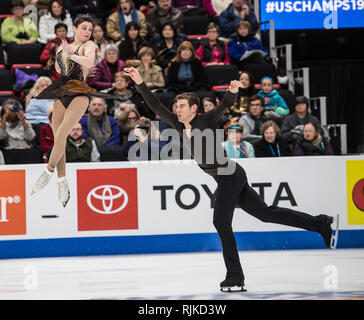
x=170, y=207
x=178, y=243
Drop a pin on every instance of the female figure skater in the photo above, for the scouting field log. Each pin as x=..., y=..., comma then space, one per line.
x=71, y=96
x=232, y=187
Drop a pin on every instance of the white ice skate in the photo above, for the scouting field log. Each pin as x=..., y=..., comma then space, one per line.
x=335, y=233
x=42, y=181
x=63, y=191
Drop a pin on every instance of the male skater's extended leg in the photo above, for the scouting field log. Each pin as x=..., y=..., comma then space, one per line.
x=251, y=202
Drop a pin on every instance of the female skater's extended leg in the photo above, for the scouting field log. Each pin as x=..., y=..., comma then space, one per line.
x=46, y=175
x=252, y=203
x=72, y=115
x=63, y=123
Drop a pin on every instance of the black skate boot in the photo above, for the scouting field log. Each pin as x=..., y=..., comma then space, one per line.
x=232, y=284
x=327, y=232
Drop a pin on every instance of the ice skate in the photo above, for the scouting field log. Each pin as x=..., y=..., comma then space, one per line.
x=330, y=236
x=63, y=191
x=232, y=285
x=42, y=181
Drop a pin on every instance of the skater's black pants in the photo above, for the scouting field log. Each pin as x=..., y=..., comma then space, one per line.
x=234, y=189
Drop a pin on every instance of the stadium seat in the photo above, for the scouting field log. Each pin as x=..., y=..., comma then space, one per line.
x=30, y=69
x=5, y=7
x=23, y=156
x=6, y=80
x=111, y=153
x=260, y=70
x=195, y=24
x=24, y=54
x=220, y=75
x=196, y=39
x=4, y=95
x=2, y=60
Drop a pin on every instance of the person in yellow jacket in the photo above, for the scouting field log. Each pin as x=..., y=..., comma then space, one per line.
x=17, y=28
x=115, y=25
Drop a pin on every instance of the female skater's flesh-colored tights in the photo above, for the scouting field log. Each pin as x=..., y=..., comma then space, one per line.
x=63, y=120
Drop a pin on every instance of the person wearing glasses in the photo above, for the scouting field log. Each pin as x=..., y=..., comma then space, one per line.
x=80, y=148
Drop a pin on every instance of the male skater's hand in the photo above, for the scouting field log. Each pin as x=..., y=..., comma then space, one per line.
x=235, y=85
x=133, y=74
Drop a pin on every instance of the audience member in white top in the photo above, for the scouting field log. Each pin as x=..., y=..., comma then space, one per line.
x=56, y=13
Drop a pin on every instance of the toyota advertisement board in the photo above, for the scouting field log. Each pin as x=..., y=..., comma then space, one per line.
x=167, y=206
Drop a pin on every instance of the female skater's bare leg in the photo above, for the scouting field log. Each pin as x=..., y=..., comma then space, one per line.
x=64, y=121
x=57, y=118
x=72, y=115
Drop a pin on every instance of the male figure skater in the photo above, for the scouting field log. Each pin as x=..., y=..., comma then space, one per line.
x=232, y=184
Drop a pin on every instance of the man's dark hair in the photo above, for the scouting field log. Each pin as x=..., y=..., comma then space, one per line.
x=190, y=97
x=256, y=97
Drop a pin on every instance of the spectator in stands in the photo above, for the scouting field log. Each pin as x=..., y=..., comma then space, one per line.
x=253, y=120
x=127, y=121
x=292, y=125
x=186, y=70
x=209, y=104
x=244, y=48
x=163, y=12
x=116, y=23
x=101, y=41
x=215, y=7
x=151, y=74
x=311, y=143
x=190, y=7
x=130, y=46
x=46, y=138
x=237, y=11
x=105, y=70
x=104, y=8
x=271, y=144
x=41, y=5
x=99, y=126
x=15, y=131
x=80, y=148
x=36, y=109
x=166, y=46
x=60, y=30
x=76, y=7
x=274, y=105
x=213, y=51
x=17, y=29
x=56, y=14
x=235, y=146
x=242, y=103
x=125, y=97
x=143, y=142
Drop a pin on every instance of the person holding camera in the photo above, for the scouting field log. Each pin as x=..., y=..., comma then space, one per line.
x=15, y=131
x=18, y=29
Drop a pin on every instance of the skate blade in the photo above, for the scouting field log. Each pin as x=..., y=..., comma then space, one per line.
x=65, y=203
x=335, y=234
x=233, y=289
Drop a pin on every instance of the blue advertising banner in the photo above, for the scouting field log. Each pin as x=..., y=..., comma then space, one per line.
x=313, y=14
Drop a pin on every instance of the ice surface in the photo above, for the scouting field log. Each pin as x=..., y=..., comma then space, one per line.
x=298, y=274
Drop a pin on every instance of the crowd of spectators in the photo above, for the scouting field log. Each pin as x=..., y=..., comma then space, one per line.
x=149, y=35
